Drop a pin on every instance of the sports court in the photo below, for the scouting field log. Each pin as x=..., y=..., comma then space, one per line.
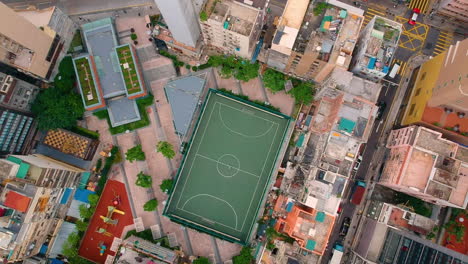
x=227, y=167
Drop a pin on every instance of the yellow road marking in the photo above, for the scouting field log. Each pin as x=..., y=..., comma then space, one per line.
x=375, y=11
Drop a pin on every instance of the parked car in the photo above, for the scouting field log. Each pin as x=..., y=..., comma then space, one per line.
x=382, y=105
x=414, y=16
x=340, y=209
x=345, y=226
x=358, y=192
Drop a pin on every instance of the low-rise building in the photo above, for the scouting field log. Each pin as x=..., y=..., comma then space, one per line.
x=110, y=75
x=30, y=202
x=455, y=10
x=319, y=44
x=309, y=227
x=423, y=164
x=17, y=131
x=16, y=94
x=134, y=248
x=375, y=48
x=231, y=27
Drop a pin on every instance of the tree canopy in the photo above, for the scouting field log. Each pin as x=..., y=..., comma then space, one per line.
x=59, y=106
x=70, y=249
x=166, y=185
x=303, y=92
x=93, y=199
x=150, y=205
x=144, y=180
x=166, y=149
x=135, y=153
x=201, y=260
x=231, y=66
x=245, y=256
x=85, y=212
x=274, y=80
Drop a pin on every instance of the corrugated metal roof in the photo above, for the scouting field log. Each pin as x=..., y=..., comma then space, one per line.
x=23, y=169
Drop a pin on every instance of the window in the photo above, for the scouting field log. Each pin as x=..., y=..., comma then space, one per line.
x=411, y=111
x=423, y=76
x=418, y=91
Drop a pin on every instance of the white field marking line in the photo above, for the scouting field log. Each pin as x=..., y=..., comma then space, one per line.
x=257, y=108
x=246, y=172
x=263, y=168
x=216, y=231
x=246, y=113
x=190, y=147
x=214, y=197
x=241, y=134
x=214, y=222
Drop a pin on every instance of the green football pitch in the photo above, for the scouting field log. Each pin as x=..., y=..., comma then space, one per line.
x=227, y=167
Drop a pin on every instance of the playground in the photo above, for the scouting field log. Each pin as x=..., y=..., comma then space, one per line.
x=227, y=168
x=112, y=215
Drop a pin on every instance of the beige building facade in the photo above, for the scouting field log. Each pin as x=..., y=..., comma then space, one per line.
x=231, y=27
x=25, y=46
x=454, y=9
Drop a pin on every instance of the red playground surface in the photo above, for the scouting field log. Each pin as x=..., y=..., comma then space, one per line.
x=452, y=243
x=112, y=214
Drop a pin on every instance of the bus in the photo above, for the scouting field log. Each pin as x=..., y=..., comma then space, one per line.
x=337, y=254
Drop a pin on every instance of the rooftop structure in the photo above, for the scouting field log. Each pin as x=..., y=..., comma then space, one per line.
x=25, y=46
x=150, y=253
x=377, y=44
x=16, y=94
x=109, y=72
x=34, y=193
x=162, y=33
x=185, y=95
x=53, y=18
x=17, y=130
x=310, y=228
x=320, y=44
x=227, y=168
x=439, y=95
x=423, y=164
x=231, y=20
x=182, y=20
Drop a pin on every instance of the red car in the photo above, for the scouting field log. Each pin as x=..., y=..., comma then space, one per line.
x=414, y=16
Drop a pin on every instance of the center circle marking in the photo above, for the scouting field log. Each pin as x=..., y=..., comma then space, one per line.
x=228, y=165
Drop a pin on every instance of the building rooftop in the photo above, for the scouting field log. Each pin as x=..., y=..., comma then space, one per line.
x=130, y=70
x=236, y=17
x=381, y=44
x=16, y=201
x=68, y=142
x=309, y=227
x=183, y=94
x=38, y=17
x=150, y=253
x=123, y=111
x=101, y=40
x=289, y=25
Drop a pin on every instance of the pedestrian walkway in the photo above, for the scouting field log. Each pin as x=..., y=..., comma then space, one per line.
x=402, y=64
x=371, y=12
x=422, y=5
x=443, y=42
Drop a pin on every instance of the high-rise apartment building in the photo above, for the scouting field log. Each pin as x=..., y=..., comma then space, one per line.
x=232, y=27
x=454, y=9
x=439, y=95
x=33, y=192
x=27, y=47
x=423, y=164
x=375, y=48
x=182, y=20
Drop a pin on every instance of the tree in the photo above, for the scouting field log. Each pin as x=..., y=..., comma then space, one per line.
x=135, y=153
x=144, y=180
x=151, y=205
x=93, y=199
x=166, y=149
x=203, y=16
x=166, y=185
x=81, y=225
x=85, y=212
x=245, y=256
x=70, y=247
x=303, y=93
x=274, y=80
x=247, y=71
x=57, y=107
x=201, y=260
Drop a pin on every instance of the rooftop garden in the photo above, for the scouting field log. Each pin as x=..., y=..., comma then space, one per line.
x=128, y=68
x=87, y=84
